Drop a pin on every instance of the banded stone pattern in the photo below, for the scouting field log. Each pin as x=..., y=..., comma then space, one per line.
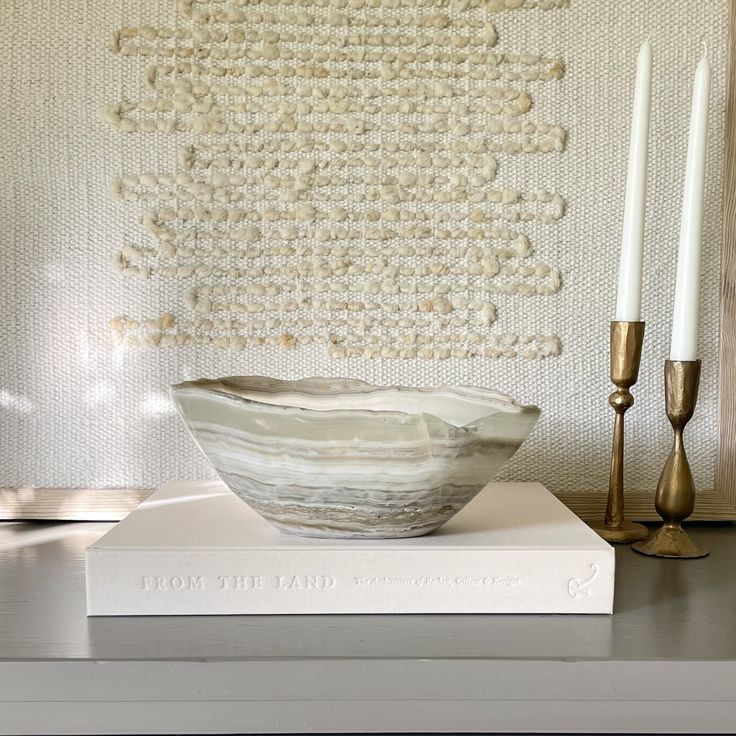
x=335, y=182
x=342, y=458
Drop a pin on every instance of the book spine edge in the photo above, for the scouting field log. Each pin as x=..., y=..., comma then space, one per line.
x=562, y=581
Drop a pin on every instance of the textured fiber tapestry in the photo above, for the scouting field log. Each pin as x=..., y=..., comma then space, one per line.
x=404, y=191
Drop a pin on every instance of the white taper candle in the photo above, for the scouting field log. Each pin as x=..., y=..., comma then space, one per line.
x=628, y=303
x=684, y=344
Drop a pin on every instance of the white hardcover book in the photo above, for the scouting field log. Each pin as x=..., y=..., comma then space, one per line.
x=195, y=548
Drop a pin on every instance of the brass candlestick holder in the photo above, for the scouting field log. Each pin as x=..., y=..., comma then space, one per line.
x=627, y=339
x=675, y=497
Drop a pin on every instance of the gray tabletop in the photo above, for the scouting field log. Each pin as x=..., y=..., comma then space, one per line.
x=665, y=661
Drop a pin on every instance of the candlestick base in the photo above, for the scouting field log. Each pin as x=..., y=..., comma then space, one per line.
x=624, y=532
x=670, y=540
x=675, y=497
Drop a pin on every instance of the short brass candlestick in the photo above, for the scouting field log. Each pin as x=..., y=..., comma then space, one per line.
x=675, y=497
x=627, y=339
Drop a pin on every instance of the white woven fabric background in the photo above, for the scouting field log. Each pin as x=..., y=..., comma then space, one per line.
x=77, y=410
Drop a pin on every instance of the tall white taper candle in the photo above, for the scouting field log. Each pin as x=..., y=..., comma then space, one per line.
x=628, y=303
x=684, y=344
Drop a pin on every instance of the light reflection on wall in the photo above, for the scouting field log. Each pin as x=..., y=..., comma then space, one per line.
x=15, y=402
x=157, y=404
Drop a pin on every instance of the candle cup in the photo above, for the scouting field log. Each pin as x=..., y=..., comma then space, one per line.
x=627, y=339
x=675, y=498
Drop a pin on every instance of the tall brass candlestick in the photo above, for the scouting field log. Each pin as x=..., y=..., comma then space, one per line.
x=627, y=339
x=675, y=497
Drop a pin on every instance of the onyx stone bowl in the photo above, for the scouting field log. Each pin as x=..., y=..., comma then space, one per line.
x=327, y=457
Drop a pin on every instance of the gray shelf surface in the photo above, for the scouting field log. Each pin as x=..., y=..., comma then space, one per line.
x=665, y=662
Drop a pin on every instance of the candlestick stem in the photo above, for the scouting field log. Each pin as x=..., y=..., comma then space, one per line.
x=675, y=498
x=615, y=504
x=627, y=339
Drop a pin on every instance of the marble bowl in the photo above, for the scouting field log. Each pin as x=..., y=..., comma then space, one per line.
x=326, y=457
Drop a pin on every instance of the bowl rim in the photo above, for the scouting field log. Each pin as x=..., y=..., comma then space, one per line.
x=463, y=391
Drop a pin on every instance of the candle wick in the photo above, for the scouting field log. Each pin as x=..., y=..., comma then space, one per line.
x=705, y=49
x=649, y=37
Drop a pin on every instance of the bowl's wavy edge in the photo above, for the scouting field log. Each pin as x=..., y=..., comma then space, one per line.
x=205, y=385
x=356, y=383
